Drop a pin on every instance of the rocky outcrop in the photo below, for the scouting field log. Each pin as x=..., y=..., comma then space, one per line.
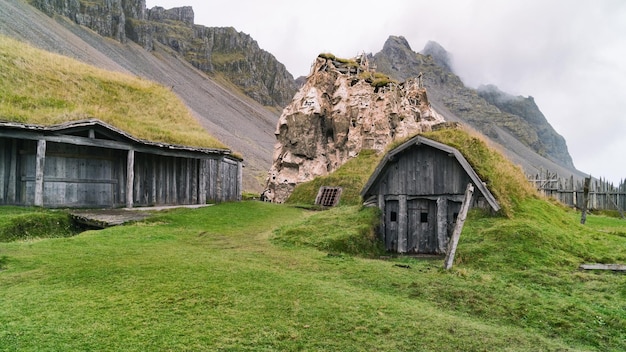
x=342, y=108
x=234, y=55
x=106, y=17
x=526, y=108
x=474, y=108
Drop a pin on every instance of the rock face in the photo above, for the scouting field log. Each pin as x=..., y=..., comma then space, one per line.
x=483, y=108
x=234, y=55
x=342, y=108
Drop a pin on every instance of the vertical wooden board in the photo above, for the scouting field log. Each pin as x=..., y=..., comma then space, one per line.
x=442, y=224
x=4, y=166
x=413, y=234
x=39, y=172
x=402, y=223
x=194, y=180
x=383, y=224
x=391, y=221
x=130, y=177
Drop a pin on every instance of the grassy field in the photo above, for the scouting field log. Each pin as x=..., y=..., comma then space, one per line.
x=44, y=88
x=222, y=278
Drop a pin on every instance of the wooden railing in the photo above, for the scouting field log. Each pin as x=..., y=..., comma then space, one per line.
x=603, y=195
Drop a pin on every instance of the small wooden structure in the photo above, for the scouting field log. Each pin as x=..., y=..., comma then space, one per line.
x=89, y=163
x=419, y=187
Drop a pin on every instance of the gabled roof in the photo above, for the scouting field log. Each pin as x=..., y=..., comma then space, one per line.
x=107, y=135
x=417, y=140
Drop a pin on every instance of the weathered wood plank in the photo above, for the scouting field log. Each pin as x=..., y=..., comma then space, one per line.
x=454, y=241
x=40, y=163
x=595, y=266
x=130, y=178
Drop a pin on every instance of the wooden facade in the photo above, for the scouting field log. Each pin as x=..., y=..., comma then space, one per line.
x=419, y=188
x=89, y=164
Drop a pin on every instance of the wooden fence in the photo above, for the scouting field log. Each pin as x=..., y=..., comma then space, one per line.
x=603, y=195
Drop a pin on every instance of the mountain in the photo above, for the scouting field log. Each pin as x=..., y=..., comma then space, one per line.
x=235, y=89
x=515, y=123
x=213, y=50
x=237, y=120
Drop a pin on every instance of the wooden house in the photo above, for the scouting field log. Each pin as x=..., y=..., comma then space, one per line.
x=419, y=188
x=89, y=163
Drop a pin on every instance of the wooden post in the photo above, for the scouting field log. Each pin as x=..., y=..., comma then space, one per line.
x=12, y=186
x=239, y=179
x=583, y=216
x=203, y=168
x=442, y=224
x=130, y=178
x=39, y=172
x=460, y=220
x=220, y=180
x=403, y=224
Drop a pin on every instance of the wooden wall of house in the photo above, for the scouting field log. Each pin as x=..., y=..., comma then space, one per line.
x=424, y=171
x=419, y=195
x=85, y=176
x=74, y=176
x=168, y=180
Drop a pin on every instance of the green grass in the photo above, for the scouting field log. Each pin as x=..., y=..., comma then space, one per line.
x=19, y=223
x=44, y=88
x=219, y=278
x=351, y=176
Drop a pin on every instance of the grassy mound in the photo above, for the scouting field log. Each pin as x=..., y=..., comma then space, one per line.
x=27, y=223
x=348, y=229
x=505, y=180
x=44, y=88
x=351, y=176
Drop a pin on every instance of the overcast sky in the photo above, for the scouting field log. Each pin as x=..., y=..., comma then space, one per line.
x=570, y=55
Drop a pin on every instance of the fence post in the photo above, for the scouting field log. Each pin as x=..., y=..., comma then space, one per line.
x=583, y=217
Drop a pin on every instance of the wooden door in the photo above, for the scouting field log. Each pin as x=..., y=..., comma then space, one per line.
x=391, y=228
x=422, y=234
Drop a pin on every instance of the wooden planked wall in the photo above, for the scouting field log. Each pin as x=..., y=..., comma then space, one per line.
x=85, y=176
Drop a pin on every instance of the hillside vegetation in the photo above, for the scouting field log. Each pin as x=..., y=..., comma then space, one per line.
x=43, y=88
x=210, y=279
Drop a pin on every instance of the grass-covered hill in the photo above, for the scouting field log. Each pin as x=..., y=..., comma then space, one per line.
x=223, y=278
x=40, y=87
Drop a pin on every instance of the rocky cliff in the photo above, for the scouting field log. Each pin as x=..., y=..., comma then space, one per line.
x=222, y=51
x=343, y=107
x=484, y=109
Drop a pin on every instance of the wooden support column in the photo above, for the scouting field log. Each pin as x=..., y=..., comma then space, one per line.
x=239, y=179
x=40, y=165
x=220, y=180
x=3, y=169
x=583, y=216
x=442, y=224
x=203, y=169
x=12, y=186
x=130, y=178
x=381, y=206
x=403, y=224
x=460, y=220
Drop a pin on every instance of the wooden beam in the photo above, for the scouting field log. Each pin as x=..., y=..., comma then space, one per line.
x=239, y=179
x=460, y=220
x=613, y=267
x=442, y=224
x=403, y=224
x=583, y=216
x=130, y=178
x=12, y=186
x=40, y=164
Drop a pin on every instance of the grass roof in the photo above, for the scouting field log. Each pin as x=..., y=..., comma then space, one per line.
x=40, y=87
